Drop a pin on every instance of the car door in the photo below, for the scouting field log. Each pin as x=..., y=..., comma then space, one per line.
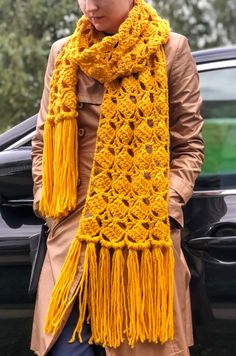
x=209, y=236
x=17, y=224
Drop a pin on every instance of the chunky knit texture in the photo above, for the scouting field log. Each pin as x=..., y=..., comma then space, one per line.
x=127, y=280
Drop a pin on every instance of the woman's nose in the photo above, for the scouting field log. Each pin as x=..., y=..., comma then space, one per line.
x=91, y=5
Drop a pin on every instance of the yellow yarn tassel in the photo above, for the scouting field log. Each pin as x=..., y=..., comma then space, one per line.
x=133, y=298
x=104, y=296
x=169, y=261
x=158, y=272
x=60, y=169
x=150, y=295
x=163, y=266
x=93, y=289
x=87, y=295
x=60, y=299
x=44, y=205
x=147, y=318
x=118, y=301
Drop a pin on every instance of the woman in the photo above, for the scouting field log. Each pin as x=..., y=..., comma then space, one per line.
x=117, y=149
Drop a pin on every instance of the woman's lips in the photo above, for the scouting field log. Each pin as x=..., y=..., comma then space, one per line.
x=96, y=18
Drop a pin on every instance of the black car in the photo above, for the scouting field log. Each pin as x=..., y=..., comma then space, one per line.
x=208, y=239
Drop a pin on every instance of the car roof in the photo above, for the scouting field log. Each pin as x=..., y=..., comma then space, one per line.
x=215, y=54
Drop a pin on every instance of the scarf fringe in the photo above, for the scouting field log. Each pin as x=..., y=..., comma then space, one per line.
x=62, y=289
x=146, y=314
x=59, y=194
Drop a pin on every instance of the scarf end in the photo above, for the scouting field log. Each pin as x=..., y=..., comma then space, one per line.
x=61, y=298
x=121, y=296
x=60, y=168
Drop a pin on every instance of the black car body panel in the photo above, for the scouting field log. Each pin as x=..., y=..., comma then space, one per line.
x=15, y=166
x=208, y=238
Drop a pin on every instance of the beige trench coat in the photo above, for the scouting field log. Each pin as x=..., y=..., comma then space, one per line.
x=186, y=160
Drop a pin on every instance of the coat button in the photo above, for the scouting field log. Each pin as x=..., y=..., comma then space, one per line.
x=80, y=105
x=81, y=131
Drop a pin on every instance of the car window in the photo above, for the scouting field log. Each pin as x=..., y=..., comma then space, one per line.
x=219, y=131
x=27, y=144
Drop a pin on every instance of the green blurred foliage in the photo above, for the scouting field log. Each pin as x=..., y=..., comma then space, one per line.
x=206, y=23
x=220, y=150
x=27, y=30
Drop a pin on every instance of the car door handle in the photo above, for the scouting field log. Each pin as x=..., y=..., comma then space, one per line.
x=207, y=244
x=17, y=202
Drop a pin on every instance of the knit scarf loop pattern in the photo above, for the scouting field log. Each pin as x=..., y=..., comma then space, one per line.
x=126, y=288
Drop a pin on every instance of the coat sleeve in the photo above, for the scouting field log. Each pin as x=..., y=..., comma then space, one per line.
x=186, y=143
x=37, y=141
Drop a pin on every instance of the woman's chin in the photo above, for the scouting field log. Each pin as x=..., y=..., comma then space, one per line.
x=102, y=28
x=99, y=27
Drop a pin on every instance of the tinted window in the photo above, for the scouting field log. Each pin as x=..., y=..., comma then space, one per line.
x=219, y=132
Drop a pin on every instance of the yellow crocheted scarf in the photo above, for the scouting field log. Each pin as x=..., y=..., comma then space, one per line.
x=126, y=288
